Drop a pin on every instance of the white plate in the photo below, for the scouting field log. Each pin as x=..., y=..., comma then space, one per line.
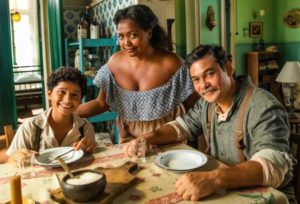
x=44, y=160
x=181, y=160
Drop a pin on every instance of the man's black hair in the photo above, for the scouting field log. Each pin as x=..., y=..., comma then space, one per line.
x=201, y=51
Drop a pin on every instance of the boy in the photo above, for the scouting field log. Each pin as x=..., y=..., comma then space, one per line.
x=58, y=125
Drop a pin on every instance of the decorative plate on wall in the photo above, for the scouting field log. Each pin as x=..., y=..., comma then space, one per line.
x=292, y=18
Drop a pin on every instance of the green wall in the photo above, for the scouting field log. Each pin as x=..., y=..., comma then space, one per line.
x=210, y=36
x=206, y=36
x=245, y=10
x=275, y=32
x=283, y=33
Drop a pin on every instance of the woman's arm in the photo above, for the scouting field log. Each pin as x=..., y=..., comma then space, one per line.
x=190, y=101
x=93, y=107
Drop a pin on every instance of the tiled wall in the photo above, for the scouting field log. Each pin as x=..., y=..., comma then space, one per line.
x=104, y=13
x=71, y=20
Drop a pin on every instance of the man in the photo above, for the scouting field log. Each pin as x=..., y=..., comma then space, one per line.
x=248, y=129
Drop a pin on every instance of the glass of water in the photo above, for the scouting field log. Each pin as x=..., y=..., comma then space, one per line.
x=140, y=148
x=26, y=164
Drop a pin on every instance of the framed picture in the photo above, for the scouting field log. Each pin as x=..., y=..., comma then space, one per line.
x=256, y=29
x=292, y=18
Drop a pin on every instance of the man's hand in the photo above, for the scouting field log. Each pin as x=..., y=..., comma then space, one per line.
x=136, y=148
x=82, y=144
x=196, y=185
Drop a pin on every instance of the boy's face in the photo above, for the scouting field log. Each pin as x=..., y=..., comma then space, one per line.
x=210, y=81
x=65, y=98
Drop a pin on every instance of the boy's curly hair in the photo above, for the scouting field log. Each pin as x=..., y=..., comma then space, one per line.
x=68, y=74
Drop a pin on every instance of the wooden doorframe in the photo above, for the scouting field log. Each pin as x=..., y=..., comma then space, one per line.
x=7, y=93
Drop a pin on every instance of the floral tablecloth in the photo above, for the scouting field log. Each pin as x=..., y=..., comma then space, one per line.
x=154, y=186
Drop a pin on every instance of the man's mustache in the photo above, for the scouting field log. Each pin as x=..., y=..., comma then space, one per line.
x=206, y=90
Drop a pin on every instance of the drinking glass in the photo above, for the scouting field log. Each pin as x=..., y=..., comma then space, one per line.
x=140, y=148
x=26, y=168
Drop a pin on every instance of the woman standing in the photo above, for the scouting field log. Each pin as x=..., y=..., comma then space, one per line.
x=144, y=83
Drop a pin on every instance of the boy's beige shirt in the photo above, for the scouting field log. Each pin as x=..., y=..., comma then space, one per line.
x=25, y=134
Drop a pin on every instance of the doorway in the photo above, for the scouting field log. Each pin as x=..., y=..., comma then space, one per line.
x=27, y=63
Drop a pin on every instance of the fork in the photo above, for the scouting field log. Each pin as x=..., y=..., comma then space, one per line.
x=60, y=155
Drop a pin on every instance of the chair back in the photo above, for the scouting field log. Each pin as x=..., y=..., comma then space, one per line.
x=9, y=133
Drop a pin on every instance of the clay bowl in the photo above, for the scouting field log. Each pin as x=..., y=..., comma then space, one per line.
x=83, y=192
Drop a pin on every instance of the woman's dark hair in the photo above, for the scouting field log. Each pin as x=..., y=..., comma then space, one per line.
x=67, y=74
x=201, y=51
x=144, y=17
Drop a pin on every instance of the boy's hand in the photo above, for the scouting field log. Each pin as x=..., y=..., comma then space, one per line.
x=20, y=154
x=82, y=144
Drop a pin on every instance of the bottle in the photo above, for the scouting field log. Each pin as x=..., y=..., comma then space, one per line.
x=88, y=19
x=87, y=15
x=77, y=60
x=94, y=29
x=82, y=29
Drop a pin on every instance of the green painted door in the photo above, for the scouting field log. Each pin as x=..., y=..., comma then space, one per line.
x=7, y=94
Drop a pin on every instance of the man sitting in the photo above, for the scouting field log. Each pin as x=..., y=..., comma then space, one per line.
x=244, y=127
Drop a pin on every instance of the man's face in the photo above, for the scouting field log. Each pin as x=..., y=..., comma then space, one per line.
x=210, y=81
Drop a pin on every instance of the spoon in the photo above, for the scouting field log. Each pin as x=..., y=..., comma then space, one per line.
x=65, y=167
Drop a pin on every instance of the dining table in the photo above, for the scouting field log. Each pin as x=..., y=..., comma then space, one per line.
x=154, y=185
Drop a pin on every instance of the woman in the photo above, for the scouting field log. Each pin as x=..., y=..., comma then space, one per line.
x=144, y=83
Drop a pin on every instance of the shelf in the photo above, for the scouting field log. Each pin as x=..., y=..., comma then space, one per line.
x=264, y=78
x=83, y=43
x=101, y=42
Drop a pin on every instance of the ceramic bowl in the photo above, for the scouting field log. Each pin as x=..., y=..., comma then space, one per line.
x=83, y=192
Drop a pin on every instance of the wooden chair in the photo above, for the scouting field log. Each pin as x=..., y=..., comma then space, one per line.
x=5, y=141
x=8, y=136
x=107, y=116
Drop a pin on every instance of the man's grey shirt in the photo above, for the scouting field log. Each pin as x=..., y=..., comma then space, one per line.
x=265, y=125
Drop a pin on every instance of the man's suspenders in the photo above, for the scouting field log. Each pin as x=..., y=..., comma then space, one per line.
x=38, y=133
x=239, y=130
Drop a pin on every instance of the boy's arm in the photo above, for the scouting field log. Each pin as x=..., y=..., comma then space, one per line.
x=3, y=156
x=190, y=101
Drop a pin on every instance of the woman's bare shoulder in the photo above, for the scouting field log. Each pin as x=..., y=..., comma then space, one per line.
x=116, y=61
x=170, y=60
